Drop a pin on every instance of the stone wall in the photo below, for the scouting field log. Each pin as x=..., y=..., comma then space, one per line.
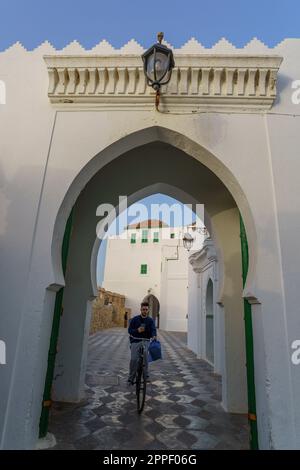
x=109, y=311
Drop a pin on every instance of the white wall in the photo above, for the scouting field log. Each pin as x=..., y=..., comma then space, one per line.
x=50, y=152
x=174, y=288
x=166, y=276
x=122, y=270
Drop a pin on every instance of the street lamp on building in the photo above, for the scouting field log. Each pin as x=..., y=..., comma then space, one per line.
x=201, y=230
x=188, y=241
x=158, y=64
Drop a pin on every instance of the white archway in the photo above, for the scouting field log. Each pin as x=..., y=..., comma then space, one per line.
x=154, y=307
x=172, y=167
x=218, y=189
x=133, y=141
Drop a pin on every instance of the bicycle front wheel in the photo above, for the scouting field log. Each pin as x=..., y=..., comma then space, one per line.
x=141, y=388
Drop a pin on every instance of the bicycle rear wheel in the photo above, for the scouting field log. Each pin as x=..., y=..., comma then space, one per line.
x=140, y=388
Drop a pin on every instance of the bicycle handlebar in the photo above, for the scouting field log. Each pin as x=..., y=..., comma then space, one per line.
x=141, y=339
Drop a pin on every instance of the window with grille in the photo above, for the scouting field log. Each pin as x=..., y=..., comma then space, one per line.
x=145, y=236
x=156, y=237
x=143, y=268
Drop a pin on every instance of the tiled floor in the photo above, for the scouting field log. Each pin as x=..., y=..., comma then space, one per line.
x=182, y=409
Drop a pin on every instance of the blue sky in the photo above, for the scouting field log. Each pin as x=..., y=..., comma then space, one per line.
x=183, y=217
x=60, y=21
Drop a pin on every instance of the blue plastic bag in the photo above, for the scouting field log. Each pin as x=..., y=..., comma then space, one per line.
x=154, y=351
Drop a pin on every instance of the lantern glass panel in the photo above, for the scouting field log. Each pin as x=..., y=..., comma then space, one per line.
x=188, y=241
x=161, y=63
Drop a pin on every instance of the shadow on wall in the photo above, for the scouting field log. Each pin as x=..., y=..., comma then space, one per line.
x=283, y=82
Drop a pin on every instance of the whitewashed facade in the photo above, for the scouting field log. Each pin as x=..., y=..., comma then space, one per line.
x=75, y=126
x=143, y=261
x=205, y=326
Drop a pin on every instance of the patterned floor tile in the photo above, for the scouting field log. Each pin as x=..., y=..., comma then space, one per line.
x=182, y=409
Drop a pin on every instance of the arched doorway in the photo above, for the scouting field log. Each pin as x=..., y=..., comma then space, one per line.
x=209, y=322
x=154, y=307
x=222, y=217
x=185, y=165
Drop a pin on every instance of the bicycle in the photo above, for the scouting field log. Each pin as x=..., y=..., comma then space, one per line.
x=141, y=378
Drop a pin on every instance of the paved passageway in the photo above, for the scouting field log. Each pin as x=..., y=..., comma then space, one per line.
x=182, y=410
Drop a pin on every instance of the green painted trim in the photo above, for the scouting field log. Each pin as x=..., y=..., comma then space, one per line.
x=144, y=269
x=44, y=419
x=249, y=344
x=145, y=236
x=156, y=237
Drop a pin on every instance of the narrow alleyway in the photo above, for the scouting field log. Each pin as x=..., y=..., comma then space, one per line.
x=182, y=410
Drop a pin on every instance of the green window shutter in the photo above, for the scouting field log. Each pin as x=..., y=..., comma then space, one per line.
x=145, y=236
x=172, y=235
x=156, y=237
x=133, y=238
x=143, y=268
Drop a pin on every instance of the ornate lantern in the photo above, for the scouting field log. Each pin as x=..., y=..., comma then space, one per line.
x=158, y=64
x=188, y=241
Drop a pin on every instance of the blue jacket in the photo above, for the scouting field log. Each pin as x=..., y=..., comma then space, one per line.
x=136, y=322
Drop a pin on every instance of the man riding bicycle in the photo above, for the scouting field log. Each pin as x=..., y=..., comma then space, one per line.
x=140, y=327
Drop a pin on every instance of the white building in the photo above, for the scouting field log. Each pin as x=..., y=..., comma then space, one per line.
x=205, y=325
x=78, y=128
x=149, y=262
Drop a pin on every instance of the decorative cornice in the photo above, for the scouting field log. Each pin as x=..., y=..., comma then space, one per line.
x=199, y=81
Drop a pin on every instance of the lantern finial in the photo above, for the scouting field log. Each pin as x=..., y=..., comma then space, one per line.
x=160, y=37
